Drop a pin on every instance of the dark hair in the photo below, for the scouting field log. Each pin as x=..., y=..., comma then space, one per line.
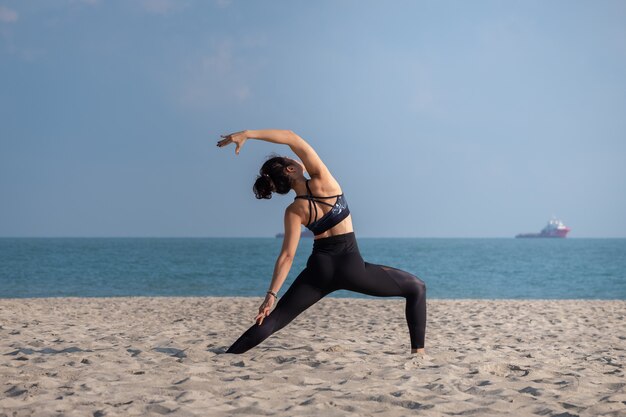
x=272, y=178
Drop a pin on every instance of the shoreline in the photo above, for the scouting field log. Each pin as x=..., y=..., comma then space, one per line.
x=160, y=355
x=261, y=296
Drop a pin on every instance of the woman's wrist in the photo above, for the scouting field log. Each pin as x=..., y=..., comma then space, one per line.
x=272, y=293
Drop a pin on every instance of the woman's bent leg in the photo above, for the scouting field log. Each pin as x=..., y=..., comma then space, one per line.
x=414, y=290
x=300, y=296
x=385, y=281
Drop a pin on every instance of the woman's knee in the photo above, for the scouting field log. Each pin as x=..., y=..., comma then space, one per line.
x=417, y=287
x=411, y=285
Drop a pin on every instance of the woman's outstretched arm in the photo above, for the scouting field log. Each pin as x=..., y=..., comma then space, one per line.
x=312, y=162
x=283, y=262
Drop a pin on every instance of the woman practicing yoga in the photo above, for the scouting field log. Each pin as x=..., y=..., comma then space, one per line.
x=335, y=263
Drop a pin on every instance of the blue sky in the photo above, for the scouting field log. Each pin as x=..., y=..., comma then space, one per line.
x=439, y=119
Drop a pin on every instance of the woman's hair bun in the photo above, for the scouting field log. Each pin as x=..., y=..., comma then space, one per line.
x=263, y=187
x=272, y=178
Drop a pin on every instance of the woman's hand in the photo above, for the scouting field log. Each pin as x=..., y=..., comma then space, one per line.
x=238, y=138
x=265, y=308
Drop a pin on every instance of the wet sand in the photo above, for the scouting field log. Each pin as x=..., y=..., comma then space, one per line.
x=164, y=356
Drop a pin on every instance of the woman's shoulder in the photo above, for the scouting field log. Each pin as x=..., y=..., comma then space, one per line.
x=324, y=185
x=297, y=209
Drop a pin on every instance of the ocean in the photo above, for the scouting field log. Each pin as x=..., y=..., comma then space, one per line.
x=569, y=268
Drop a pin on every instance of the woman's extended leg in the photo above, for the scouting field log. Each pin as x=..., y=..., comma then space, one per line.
x=385, y=281
x=300, y=296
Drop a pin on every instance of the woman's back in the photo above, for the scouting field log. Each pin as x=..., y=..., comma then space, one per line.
x=325, y=206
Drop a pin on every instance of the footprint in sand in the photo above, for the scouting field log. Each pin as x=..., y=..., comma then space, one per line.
x=504, y=369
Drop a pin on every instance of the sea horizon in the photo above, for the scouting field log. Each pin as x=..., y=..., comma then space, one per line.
x=274, y=237
x=453, y=268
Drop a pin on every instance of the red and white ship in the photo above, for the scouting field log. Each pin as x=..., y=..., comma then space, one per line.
x=554, y=228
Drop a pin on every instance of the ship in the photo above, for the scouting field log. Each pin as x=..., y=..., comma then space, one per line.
x=554, y=228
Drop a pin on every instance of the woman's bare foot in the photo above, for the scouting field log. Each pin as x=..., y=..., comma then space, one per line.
x=421, y=351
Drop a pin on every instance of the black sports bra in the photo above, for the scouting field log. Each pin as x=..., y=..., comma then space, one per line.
x=338, y=212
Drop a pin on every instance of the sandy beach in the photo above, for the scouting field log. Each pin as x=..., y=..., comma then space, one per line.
x=164, y=356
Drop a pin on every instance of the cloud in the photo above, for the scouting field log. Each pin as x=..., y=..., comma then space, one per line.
x=221, y=75
x=161, y=7
x=166, y=6
x=421, y=94
x=7, y=15
x=223, y=3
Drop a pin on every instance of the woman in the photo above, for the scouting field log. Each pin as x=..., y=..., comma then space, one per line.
x=335, y=263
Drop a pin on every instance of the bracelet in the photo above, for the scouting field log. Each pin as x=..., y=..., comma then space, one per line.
x=272, y=293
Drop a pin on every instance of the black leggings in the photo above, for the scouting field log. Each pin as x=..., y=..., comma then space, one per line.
x=336, y=264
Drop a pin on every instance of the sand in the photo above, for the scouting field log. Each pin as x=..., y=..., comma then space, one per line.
x=164, y=356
